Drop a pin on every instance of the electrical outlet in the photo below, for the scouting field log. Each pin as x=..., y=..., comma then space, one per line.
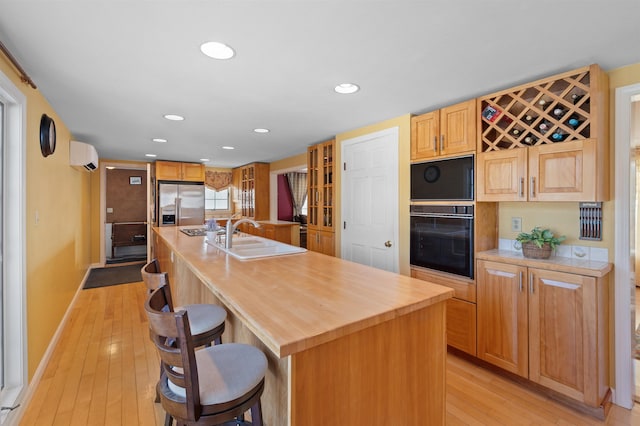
x=516, y=224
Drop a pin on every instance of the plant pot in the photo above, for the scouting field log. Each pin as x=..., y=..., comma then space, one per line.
x=532, y=251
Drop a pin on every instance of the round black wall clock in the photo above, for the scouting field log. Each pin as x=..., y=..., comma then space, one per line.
x=432, y=173
x=47, y=135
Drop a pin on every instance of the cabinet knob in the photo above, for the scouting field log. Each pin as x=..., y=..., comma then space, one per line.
x=387, y=244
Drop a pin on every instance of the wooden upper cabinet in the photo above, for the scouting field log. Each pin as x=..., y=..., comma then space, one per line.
x=193, y=172
x=562, y=123
x=450, y=130
x=560, y=172
x=173, y=170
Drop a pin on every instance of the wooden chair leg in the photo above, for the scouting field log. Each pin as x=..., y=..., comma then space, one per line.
x=256, y=414
x=168, y=420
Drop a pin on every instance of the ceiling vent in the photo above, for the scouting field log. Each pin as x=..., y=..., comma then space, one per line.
x=83, y=156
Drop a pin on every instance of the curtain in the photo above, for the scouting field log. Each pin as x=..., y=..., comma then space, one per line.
x=217, y=180
x=298, y=186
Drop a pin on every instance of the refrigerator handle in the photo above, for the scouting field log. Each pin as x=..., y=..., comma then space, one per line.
x=178, y=211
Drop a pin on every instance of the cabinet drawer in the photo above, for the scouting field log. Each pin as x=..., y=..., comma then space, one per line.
x=465, y=289
x=461, y=325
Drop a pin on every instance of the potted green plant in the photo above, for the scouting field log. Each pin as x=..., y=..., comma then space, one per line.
x=539, y=243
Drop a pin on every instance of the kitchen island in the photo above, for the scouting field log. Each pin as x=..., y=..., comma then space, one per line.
x=347, y=344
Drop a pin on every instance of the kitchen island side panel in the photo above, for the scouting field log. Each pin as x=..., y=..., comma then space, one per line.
x=389, y=374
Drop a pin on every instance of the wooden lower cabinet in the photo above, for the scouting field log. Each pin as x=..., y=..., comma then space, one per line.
x=461, y=309
x=548, y=326
x=321, y=241
x=284, y=232
x=461, y=325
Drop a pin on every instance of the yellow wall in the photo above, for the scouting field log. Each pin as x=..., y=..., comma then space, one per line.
x=58, y=247
x=404, y=149
x=289, y=162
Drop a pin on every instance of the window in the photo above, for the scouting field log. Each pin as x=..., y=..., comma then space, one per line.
x=216, y=200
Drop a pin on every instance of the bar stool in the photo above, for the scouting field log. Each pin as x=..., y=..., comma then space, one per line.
x=210, y=386
x=207, y=320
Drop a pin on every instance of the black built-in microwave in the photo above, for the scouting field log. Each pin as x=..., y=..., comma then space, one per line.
x=450, y=179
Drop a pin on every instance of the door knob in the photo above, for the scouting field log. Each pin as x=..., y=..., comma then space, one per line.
x=387, y=244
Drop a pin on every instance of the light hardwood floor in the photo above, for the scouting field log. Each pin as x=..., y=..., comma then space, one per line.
x=104, y=369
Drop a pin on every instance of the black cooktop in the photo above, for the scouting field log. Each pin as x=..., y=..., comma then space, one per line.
x=195, y=232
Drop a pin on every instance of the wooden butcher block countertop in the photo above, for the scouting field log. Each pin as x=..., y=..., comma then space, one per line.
x=295, y=302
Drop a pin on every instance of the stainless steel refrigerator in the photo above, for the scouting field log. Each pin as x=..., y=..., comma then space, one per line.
x=180, y=203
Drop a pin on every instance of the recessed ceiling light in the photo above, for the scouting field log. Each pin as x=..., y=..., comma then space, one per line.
x=205, y=160
x=110, y=167
x=261, y=130
x=228, y=147
x=159, y=140
x=216, y=50
x=174, y=117
x=150, y=155
x=346, y=88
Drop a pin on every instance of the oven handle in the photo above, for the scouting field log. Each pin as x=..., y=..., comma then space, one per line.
x=443, y=215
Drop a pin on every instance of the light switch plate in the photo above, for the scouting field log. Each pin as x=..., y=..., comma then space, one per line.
x=516, y=224
x=109, y=209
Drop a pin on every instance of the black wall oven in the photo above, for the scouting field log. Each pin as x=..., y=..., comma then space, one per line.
x=442, y=238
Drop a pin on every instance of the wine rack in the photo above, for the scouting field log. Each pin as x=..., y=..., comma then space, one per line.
x=561, y=108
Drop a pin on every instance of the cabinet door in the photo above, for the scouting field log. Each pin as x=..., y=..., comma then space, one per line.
x=168, y=170
x=325, y=209
x=425, y=136
x=193, y=172
x=562, y=333
x=563, y=172
x=461, y=325
x=313, y=191
x=458, y=128
x=501, y=175
x=321, y=241
x=502, y=316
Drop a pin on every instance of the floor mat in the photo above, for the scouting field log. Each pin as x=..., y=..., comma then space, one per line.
x=102, y=277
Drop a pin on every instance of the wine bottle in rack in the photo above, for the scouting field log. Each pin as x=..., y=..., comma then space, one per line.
x=530, y=139
x=558, y=136
x=575, y=98
x=544, y=126
x=558, y=112
x=543, y=104
x=574, y=121
x=516, y=132
x=529, y=119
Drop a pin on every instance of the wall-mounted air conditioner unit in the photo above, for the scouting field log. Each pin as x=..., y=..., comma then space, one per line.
x=83, y=156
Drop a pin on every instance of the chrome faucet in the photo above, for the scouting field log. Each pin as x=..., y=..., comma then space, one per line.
x=231, y=228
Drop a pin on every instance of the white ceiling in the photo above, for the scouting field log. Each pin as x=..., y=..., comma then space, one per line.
x=111, y=69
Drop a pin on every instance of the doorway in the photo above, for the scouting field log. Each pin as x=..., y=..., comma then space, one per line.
x=13, y=235
x=124, y=213
x=369, y=200
x=626, y=211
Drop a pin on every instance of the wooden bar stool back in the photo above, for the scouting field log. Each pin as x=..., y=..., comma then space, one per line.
x=207, y=320
x=210, y=386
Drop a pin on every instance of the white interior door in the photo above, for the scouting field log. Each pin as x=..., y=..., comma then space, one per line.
x=370, y=200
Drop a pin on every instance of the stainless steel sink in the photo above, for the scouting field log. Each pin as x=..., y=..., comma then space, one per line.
x=252, y=247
